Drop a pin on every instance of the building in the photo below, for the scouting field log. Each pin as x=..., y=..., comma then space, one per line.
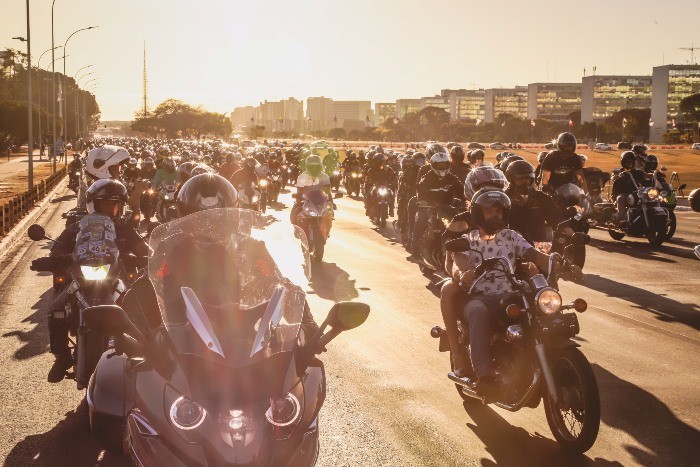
x=670, y=84
x=440, y=102
x=384, y=111
x=602, y=96
x=553, y=101
x=405, y=106
x=467, y=104
x=242, y=117
x=270, y=115
x=319, y=114
x=513, y=101
x=292, y=115
x=352, y=115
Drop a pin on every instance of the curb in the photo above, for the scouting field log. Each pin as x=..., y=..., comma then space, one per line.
x=18, y=230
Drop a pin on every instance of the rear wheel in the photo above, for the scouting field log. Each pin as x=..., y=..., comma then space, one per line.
x=575, y=420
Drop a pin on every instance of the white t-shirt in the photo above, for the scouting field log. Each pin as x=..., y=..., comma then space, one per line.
x=306, y=180
x=507, y=243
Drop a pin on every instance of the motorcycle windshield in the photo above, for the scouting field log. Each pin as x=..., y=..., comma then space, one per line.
x=95, y=244
x=316, y=197
x=230, y=284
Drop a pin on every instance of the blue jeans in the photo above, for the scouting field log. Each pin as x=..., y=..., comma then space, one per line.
x=481, y=313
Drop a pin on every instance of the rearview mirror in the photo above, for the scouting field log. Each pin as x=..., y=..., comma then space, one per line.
x=682, y=187
x=663, y=168
x=458, y=244
x=36, y=232
x=338, y=195
x=347, y=315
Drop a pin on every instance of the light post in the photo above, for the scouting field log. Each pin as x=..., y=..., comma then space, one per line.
x=53, y=88
x=30, y=145
x=38, y=65
x=65, y=105
x=77, y=92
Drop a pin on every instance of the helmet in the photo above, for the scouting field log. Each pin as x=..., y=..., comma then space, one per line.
x=101, y=159
x=148, y=163
x=433, y=149
x=206, y=159
x=486, y=198
x=250, y=162
x=640, y=150
x=484, y=176
x=457, y=153
x=440, y=163
x=169, y=164
x=406, y=163
x=627, y=159
x=163, y=151
x=694, y=200
x=378, y=158
x=566, y=143
x=509, y=160
x=501, y=155
x=313, y=165
x=475, y=155
x=519, y=168
x=569, y=194
x=106, y=189
x=541, y=156
x=651, y=163
x=418, y=158
x=200, y=168
x=583, y=159
x=132, y=162
x=147, y=153
x=185, y=170
x=205, y=191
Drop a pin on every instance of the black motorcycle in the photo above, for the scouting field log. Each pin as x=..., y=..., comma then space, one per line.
x=646, y=217
x=535, y=353
x=353, y=180
x=275, y=180
x=383, y=198
x=226, y=372
x=431, y=252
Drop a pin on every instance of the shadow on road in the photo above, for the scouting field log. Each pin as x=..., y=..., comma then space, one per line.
x=514, y=446
x=666, y=309
x=35, y=341
x=666, y=439
x=69, y=443
x=635, y=249
x=64, y=198
x=333, y=283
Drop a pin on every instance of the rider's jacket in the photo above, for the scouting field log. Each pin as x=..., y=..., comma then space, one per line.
x=433, y=189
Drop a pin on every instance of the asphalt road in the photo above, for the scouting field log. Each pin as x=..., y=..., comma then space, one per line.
x=389, y=401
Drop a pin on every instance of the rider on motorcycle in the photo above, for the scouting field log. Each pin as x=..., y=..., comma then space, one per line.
x=229, y=167
x=476, y=158
x=132, y=172
x=148, y=168
x=408, y=185
x=167, y=174
x=331, y=162
x=625, y=185
x=538, y=170
x=563, y=165
x=379, y=174
x=246, y=175
x=458, y=167
x=312, y=179
x=105, y=197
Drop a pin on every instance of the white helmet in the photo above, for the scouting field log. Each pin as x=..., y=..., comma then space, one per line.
x=440, y=163
x=100, y=159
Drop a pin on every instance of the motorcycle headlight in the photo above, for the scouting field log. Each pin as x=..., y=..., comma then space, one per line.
x=254, y=199
x=310, y=212
x=185, y=414
x=77, y=173
x=283, y=411
x=653, y=193
x=382, y=191
x=238, y=426
x=95, y=273
x=335, y=172
x=548, y=301
x=263, y=183
x=355, y=175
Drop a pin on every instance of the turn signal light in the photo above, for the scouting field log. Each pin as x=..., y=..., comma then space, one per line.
x=60, y=279
x=513, y=310
x=580, y=305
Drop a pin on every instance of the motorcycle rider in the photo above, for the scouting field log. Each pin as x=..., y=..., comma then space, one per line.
x=640, y=152
x=457, y=166
x=165, y=175
x=563, y=165
x=437, y=187
x=489, y=211
x=132, y=172
x=229, y=167
x=538, y=170
x=312, y=179
x=107, y=197
x=148, y=168
x=331, y=162
x=476, y=158
x=408, y=184
x=246, y=176
x=625, y=185
x=379, y=174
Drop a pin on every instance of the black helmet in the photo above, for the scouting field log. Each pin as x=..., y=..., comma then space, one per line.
x=475, y=155
x=457, y=153
x=489, y=197
x=433, y=148
x=694, y=200
x=542, y=156
x=566, y=143
x=640, y=150
x=185, y=170
x=518, y=169
x=627, y=159
x=106, y=189
x=651, y=163
x=406, y=163
x=205, y=191
x=509, y=160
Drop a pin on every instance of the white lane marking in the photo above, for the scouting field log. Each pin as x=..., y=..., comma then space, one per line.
x=648, y=324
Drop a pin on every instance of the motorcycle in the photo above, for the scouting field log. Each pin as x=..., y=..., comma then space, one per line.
x=576, y=206
x=263, y=187
x=275, y=180
x=383, y=198
x=431, y=253
x=535, y=354
x=230, y=374
x=74, y=178
x=353, y=180
x=316, y=219
x=335, y=178
x=148, y=202
x=165, y=206
x=249, y=198
x=669, y=201
x=93, y=279
x=646, y=217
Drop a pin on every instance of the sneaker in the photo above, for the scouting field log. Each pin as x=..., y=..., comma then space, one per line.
x=59, y=368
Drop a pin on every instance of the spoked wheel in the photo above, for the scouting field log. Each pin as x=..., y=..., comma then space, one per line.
x=671, y=227
x=575, y=420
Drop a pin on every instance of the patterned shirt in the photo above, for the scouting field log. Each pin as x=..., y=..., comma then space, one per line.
x=507, y=243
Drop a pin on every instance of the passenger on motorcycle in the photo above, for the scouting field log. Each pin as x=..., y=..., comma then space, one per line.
x=492, y=238
x=457, y=165
x=437, y=187
x=485, y=176
x=640, y=153
x=105, y=197
x=626, y=184
x=563, y=165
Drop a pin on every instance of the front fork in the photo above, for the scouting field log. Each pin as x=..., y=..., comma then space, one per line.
x=546, y=371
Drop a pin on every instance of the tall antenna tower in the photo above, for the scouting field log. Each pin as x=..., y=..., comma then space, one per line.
x=145, y=82
x=692, y=50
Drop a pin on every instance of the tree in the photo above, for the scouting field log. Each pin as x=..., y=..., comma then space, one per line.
x=690, y=107
x=337, y=133
x=176, y=119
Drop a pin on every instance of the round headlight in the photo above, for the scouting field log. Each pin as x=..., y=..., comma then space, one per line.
x=382, y=191
x=263, y=182
x=185, y=414
x=548, y=301
x=652, y=193
x=283, y=411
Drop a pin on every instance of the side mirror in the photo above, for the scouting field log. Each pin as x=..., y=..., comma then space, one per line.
x=36, y=232
x=664, y=168
x=458, y=244
x=347, y=315
x=338, y=195
x=682, y=187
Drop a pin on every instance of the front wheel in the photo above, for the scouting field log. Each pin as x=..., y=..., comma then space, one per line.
x=319, y=249
x=575, y=420
x=656, y=234
x=671, y=228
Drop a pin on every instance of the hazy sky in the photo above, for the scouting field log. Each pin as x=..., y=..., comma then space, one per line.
x=228, y=53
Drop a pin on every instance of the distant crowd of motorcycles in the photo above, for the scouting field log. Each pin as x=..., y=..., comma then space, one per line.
x=430, y=190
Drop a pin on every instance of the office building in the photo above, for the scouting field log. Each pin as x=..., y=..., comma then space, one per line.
x=553, y=101
x=319, y=114
x=352, y=115
x=243, y=117
x=384, y=111
x=405, y=106
x=440, y=102
x=467, y=104
x=293, y=115
x=670, y=85
x=602, y=96
x=513, y=101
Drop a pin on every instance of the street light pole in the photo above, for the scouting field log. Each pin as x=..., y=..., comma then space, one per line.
x=38, y=65
x=30, y=146
x=53, y=87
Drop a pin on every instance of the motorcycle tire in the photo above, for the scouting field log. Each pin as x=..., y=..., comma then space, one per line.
x=615, y=234
x=109, y=431
x=578, y=393
x=578, y=255
x=671, y=228
x=381, y=221
x=319, y=249
x=656, y=235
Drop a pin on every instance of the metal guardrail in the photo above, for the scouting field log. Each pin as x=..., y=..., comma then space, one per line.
x=15, y=208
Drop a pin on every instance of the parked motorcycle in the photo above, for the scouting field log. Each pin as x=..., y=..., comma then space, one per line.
x=228, y=373
x=536, y=355
x=316, y=219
